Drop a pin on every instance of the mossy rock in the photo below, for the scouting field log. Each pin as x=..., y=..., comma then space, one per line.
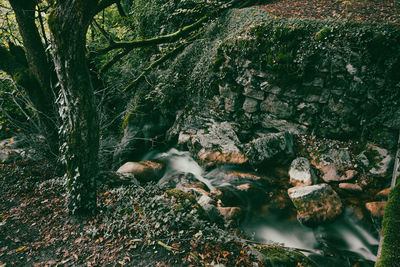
x=276, y=256
x=179, y=194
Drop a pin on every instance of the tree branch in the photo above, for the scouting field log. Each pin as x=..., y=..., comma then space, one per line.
x=103, y=32
x=168, y=38
x=121, y=9
x=114, y=60
x=103, y=4
x=161, y=60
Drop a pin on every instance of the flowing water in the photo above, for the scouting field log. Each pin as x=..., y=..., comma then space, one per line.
x=346, y=241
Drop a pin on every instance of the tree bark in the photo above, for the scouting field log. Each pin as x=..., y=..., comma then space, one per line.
x=68, y=23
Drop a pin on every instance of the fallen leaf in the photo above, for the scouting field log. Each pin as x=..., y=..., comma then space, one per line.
x=20, y=248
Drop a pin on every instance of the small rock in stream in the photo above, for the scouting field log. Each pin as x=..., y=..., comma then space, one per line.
x=300, y=172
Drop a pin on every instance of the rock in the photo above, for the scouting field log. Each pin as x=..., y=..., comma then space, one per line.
x=377, y=160
x=277, y=107
x=10, y=143
x=300, y=172
x=350, y=187
x=315, y=204
x=270, y=122
x=250, y=105
x=209, y=158
x=178, y=180
x=231, y=215
x=376, y=209
x=383, y=194
x=270, y=147
x=276, y=256
x=253, y=93
x=209, y=206
x=144, y=171
x=11, y=155
x=333, y=163
x=116, y=179
x=212, y=142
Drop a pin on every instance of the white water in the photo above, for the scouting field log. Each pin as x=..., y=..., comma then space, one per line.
x=181, y=162
x=343, y=235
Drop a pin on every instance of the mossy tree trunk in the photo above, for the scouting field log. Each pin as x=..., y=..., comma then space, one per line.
x=69, y=22
x=390, y=250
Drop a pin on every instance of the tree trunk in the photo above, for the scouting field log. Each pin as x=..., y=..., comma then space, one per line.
x=35, y=78
x=68, y=24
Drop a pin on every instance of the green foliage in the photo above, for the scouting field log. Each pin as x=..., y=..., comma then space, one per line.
x=11, y=116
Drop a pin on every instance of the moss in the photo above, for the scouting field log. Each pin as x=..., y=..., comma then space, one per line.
x=128, y=116
x=390, y=250
x=179, y=194
x=278, y=256
x=323, y=34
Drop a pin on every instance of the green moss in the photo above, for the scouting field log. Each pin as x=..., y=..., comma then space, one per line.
x=390, y=251
x=128, y=116
x=179, y=194
x=278, y=256
x=323, y=34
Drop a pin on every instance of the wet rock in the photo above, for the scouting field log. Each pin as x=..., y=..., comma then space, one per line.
x=215, y=143
x=315, y=204
x=355, y=188
x=210, y=158
x=383, y=194
x=231, y=215
x=209, y=206
x=334, y=164
x=276, y=256
x=377, y=160
x=270, y=147
x=144, y=171
x=300, y=172
x=376, y=209
x=178, y=180
x=250, y=105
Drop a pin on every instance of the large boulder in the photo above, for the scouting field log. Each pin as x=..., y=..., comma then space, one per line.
x=211, y=141
x=316, y=204
x=144, y=171
x=270, y=147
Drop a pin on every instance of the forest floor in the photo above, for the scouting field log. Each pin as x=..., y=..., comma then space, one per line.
x=371, y=11
x=35, y=230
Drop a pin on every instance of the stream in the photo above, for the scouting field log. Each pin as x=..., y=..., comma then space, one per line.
x=346, y=241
